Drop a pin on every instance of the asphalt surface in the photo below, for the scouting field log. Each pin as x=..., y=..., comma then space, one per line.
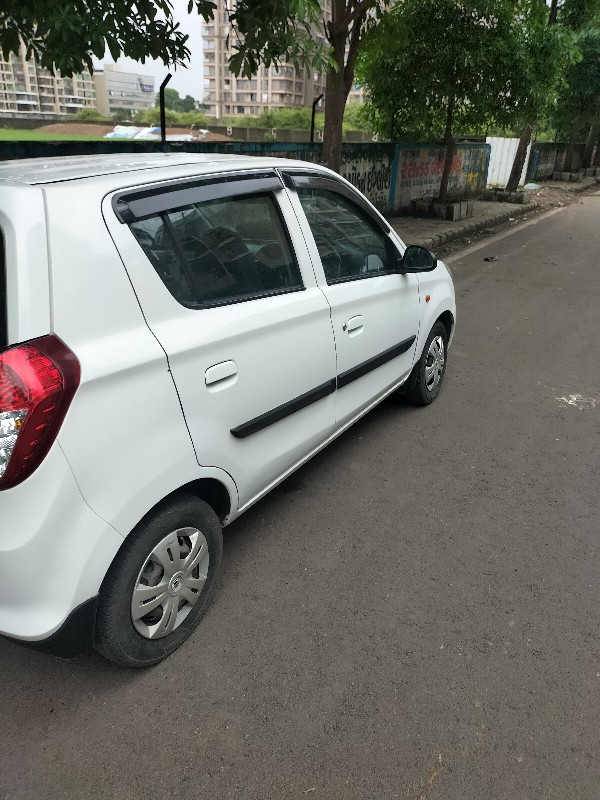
x=414, y=614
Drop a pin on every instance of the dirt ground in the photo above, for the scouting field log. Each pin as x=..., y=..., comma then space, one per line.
x=91, y=129
x=546, y=198
x=553, y=196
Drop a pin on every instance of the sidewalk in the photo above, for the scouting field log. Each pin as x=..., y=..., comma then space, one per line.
x=432, y=233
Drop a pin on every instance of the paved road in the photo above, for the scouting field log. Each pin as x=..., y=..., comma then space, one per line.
x=415, y=614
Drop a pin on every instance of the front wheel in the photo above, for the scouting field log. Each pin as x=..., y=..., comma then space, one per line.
x=425, y=380
x=160, y=583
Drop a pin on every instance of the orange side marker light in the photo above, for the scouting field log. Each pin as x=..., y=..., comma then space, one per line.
x=427, y=298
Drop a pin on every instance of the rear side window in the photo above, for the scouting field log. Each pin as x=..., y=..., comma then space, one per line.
x=3, y=309
x=220, y=251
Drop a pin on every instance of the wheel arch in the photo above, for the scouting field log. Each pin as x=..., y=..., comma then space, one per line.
x=447, y=320
x=210, y=490
x=213, y=492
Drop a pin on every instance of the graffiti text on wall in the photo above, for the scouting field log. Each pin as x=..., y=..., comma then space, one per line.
x=420, y=173
x=370, y=177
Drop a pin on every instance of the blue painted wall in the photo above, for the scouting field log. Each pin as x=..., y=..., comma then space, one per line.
x=390, y=175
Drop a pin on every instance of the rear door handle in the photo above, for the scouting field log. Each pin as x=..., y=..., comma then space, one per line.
x=219, y=372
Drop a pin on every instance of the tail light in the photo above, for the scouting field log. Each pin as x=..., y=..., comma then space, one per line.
x=37, y=382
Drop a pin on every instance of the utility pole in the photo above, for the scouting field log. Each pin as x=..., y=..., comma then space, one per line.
x=163, y=122
x=312, y=119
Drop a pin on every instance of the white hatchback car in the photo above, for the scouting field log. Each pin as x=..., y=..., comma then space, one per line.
x=178, y=334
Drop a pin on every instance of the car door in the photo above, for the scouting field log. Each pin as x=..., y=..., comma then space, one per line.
x=374, y=309
x=234, y=302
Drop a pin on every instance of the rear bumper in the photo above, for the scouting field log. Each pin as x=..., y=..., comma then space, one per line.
x=75, y=635
x=54, y=554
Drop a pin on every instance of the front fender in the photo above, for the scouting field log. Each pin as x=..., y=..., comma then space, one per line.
x=438, y=286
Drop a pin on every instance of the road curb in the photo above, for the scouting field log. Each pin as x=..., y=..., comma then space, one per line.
x=581, y=188
x=433, y=242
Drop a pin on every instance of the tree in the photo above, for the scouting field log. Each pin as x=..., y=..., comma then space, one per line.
x=151, y=116
x=573, y=14
x=63, y=35
x=90, y=115
x=467, y=79
x=350, y=20
x=175, y=102
x=578, y=107
x=547, y=63
x=121, y=115
x=546, y=51
x=355, y=117
x=270, y=32
x=292, y=38
x=187, y=104
x=183, y=119
x=193, y=118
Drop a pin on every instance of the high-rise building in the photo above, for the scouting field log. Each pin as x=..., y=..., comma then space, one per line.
x=117, y=88
x=28, y=90
x=226, y=95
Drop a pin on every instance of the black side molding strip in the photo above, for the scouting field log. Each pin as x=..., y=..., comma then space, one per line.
x=372, y=363
x=282, y=411
x=306, y=399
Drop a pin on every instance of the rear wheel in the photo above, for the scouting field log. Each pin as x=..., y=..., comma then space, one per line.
x=425, y=381
x=160, y=584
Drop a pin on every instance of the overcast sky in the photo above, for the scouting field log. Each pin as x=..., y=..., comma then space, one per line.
x=185, y=80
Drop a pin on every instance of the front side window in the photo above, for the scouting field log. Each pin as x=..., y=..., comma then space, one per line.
x=350, y=245
x=220, y=251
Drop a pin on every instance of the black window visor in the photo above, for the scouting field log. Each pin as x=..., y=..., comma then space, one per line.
x=131, y=206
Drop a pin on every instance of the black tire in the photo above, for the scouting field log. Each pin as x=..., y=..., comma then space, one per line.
x=420, y=389
x=178, y=525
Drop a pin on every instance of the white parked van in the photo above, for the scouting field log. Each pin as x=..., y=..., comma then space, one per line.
x=178, y=334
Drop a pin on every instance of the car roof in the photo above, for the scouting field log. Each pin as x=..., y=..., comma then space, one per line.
x=35, y=171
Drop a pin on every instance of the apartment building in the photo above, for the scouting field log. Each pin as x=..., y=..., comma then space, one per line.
x=226, y=95
x=28, y=90
x=117, y=88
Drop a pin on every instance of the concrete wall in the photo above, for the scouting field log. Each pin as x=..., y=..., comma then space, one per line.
x=280, y=134
x=390, y=175
x=562, y=154
x=369, y=168
x=549, y=157
x=419, y=167
x=542, y=161
x=32, y=121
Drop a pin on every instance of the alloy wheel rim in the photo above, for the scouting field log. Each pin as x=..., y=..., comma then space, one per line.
x=434, y=365
x=169, y=583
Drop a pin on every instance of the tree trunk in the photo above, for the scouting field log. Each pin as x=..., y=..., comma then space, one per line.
x=520, y=156
x=597, y=156
x=335, y=102
x=449, y=145
x=344, y=28
x=586, y=161
x=573, y=142
x=526, y=130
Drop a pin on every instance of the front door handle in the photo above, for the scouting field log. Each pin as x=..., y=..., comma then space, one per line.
x=219, y=372
x=353, y=324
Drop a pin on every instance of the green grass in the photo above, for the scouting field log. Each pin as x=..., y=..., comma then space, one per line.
x=9, y=135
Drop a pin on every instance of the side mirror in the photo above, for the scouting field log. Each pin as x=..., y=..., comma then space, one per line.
x=417, y=259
